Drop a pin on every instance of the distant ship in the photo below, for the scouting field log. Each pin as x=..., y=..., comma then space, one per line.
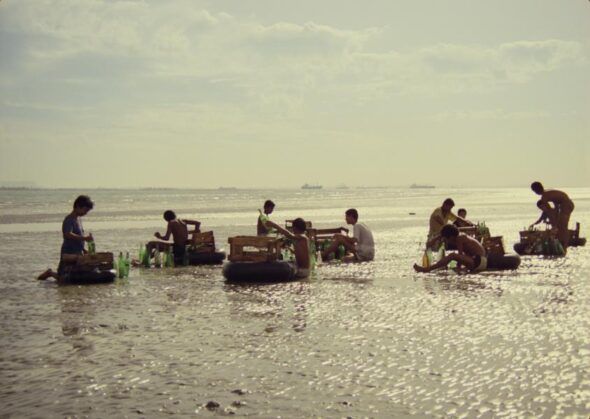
x=308, y=186
x=416, y=186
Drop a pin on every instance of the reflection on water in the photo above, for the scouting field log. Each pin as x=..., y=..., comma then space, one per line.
x=362, y=340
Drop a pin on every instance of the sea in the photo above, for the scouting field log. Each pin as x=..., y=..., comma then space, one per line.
x=369, y=340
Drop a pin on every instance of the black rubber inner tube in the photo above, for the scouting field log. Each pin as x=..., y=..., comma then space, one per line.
x=503, y=262
x=258, y=272
x=214, y=258
x=90, y=277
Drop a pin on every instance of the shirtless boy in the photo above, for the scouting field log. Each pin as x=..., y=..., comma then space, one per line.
x=178, y=229
x=301, y=243
x=470, y=252
x=563, y=205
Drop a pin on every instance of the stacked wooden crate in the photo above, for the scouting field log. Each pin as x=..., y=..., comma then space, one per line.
x=254, y=249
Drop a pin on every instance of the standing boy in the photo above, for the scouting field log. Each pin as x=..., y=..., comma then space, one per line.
x=564, y=207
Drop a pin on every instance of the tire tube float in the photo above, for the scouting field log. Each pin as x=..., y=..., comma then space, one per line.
x=86, y=278
x=520, y=248
x=214, y=258
x=258, y=271
x=503, y=262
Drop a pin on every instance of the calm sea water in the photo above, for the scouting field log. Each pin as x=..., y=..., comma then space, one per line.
x=367, y=340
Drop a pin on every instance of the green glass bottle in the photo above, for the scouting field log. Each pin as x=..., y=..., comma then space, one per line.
x=91, y=247
x=127, y=265
x=121, y=266
x=341, y=251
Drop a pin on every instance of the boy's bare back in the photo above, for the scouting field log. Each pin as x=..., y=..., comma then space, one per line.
x=179, y=231
x=302, y=251
x=470, y=246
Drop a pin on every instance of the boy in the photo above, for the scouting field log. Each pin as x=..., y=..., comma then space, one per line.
x=361, y=245
x=439, y=218
x=301, y=244
x=461, y=213
x=261, y=227
x=471, y=253
x=564, y=207
x=178, y=229
x=73, y=237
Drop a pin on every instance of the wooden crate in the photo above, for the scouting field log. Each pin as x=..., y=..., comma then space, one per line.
x=494, y=245
x=535, y=236
x=321, y=235
x=203, y=242
x=101, y=261
x=254, y=249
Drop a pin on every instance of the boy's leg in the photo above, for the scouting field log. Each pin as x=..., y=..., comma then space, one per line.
x=338, y=240
x=460, y=259
x=563, y=234
x=49, y=273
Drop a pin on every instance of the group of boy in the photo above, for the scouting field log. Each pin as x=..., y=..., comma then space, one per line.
x=556, y=207
x=360, y=247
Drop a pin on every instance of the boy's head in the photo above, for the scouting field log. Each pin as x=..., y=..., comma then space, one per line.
x=449, y=233
x=299, y=226
x=448, y=205
x=269, y=207
x=83, y=204
x=169, y=215
x=537, y=188
x=462, y=212
x=352, y=216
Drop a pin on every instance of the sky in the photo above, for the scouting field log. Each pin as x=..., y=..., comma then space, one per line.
x=269, y=93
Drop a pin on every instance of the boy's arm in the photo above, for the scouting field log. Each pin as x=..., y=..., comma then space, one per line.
x=541, y=218
x=70, y=235
x=73, y=236
x=195, y=223
x=166, y=236
x=463, y=221
x=280, y=229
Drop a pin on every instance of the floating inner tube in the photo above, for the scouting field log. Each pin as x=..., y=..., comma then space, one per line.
x=87, y=277
x=520, y=248
x=503, y=262
x=214, y=258
x=580, y=241
x=258, y=271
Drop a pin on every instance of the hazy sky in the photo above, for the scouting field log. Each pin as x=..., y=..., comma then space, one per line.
x=277, y=93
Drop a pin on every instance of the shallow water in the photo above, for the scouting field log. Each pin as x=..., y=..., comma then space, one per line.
x=366, y=340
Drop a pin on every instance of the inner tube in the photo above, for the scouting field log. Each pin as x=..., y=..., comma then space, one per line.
x=503, y=262
x=213, y=258
x=258, y=271
x=520, y=248
x=86, y=277
x=580, y=241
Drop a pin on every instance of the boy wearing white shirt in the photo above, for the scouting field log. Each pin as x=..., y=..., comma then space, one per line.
x=360, y=245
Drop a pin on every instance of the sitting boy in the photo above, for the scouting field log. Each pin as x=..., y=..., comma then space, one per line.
x=73, y=237
x=301, y=244
x=361, y=245
x=178, y=229
x=470, y=252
